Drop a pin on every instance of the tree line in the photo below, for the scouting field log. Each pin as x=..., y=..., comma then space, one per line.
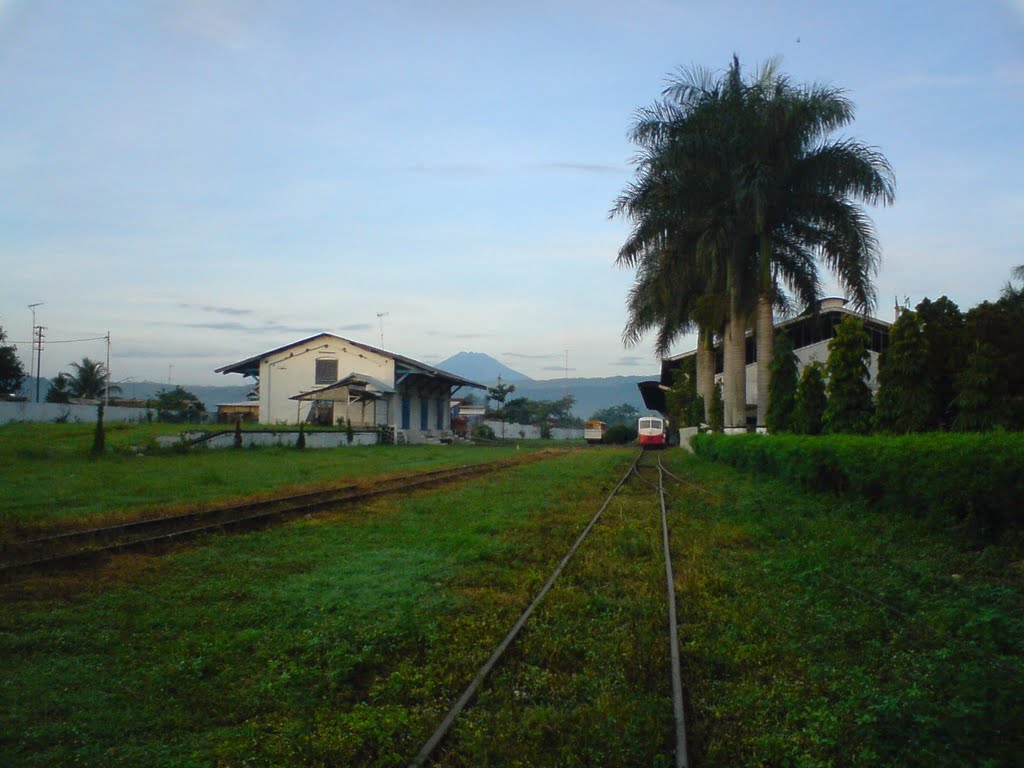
x=943, y=369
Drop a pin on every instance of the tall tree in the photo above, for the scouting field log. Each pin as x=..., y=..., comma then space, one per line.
x=89, y=380
x=811, y=401
x=849, y=406
x=905, y=400
x=981, y=399
x=784, y=375
x=500, y=393
x=12, y=373
x=945, y=344
x=799, y=189
x=738, y=191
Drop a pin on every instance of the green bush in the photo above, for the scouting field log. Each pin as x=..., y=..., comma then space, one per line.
x=975, y=479
x=484, y=432
x=620, y=434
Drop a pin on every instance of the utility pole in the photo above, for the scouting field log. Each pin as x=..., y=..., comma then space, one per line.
x=106, y=387
x=380, y=319
x=39, y=354
x=567, y=373
x=32, y=336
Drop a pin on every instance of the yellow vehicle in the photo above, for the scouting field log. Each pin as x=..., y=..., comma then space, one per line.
x=593, y=431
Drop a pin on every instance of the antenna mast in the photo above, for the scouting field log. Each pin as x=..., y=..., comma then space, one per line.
x=380, y=319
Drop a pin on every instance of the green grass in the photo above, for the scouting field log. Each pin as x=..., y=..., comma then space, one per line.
x=50, y=481
x=820, y=632
x=338, y=640
x=816, y=632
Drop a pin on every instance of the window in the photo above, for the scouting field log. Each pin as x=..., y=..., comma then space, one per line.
x=326, y=371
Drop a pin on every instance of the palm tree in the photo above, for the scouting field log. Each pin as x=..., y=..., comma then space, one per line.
x=797, y=188
x=682, y=238
x=89, y=380
x=737, y=179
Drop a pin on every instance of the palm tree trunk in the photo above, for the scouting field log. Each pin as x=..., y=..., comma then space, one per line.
x=764, y=331
x=705, y=368
x=736, y=370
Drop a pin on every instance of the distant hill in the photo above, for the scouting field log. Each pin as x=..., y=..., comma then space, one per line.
x=209, y=395
x=591, y=394
x=480, y=367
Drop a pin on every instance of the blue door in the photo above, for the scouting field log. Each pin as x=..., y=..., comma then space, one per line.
x=405, y=411
x=440, y=414
x=424, y=411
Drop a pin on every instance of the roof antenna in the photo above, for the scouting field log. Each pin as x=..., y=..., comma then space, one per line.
x=380, y=319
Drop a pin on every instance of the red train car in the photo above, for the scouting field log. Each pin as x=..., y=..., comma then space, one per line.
x=651, y=431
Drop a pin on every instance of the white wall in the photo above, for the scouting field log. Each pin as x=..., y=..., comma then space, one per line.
x=814, y=352
x=294, y=370
x=85, y=414
x=532, y=432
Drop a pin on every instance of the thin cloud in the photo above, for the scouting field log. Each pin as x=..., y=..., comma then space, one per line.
x=261, y=328
x=588, y=168
x=556, y=368
x=233, y=311
x=453, y=170
x=524, y=356
x=355, y=327
x=630, y=362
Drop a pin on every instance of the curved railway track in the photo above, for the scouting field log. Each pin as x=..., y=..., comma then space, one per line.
x=636, y=468
x=79, y=547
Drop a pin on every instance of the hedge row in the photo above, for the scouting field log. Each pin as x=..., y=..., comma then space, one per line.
x=977, y=479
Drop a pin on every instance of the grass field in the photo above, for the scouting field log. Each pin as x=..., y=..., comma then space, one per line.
x=816, y=632
x=50, y=481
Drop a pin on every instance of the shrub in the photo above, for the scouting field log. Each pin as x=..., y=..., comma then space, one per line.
x=975, y=479
x=483, y=432
x=620, y=434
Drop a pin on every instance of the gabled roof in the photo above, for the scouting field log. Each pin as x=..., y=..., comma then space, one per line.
x=251, y=365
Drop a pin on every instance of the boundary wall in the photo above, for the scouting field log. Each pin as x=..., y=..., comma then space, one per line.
x=79, y=414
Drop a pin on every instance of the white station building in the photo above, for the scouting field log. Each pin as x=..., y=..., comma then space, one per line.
x=329, y=380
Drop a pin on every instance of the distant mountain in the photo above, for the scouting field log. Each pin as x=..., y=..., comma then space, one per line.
x=591, y=394
x=480, y=367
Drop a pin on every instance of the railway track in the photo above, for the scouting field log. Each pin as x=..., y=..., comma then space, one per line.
x=657, y=483
x=80, y=547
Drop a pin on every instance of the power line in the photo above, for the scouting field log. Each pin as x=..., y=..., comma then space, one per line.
x=62, y=341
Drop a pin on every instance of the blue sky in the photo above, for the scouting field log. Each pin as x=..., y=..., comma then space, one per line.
x=209, y=179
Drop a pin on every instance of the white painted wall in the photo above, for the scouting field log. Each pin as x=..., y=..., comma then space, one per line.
x=812, y=353
x=293, y=370
x=85, y=414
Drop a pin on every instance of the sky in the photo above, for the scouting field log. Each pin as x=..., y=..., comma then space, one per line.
x=208, y=180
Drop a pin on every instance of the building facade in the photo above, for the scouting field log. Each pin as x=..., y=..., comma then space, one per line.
x=330, y=380
x=810, y=333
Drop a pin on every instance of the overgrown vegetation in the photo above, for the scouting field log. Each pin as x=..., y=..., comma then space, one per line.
x=823, y=633
x=816, y=632
x=976, y=481
x=50, y=480
x=343, y=640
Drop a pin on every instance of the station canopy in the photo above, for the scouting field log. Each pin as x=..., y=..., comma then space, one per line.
x=355, y=387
